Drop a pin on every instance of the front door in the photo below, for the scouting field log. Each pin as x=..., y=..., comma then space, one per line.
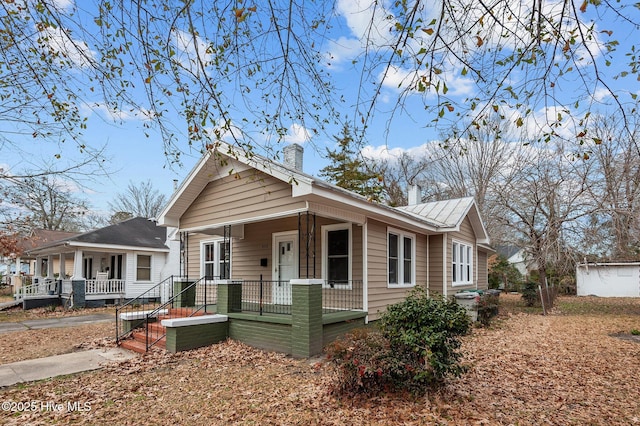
x=285, y=266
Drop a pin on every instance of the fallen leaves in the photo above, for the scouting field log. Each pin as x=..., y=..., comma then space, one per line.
x=561, y=369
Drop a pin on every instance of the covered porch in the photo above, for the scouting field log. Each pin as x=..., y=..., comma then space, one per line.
x=264, y=256
x=100, y=274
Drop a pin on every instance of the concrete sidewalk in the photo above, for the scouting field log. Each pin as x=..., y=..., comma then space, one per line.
x=7, y=327
x=58, y=365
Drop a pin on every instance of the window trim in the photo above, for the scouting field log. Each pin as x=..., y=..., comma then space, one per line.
x=150, y=256
x=217, y=242
x=468, y=266
x=325, y=253
x=402, y=235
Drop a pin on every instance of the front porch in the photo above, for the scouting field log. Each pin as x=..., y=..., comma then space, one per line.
x=310, y=315
x=70, y=293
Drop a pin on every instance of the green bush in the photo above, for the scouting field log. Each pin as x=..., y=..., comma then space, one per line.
x=416, y=348
x=530, y=293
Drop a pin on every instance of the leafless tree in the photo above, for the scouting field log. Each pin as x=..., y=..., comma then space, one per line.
x=45, y=202
x=613, y=173
x=141, y=200
x=545, y=202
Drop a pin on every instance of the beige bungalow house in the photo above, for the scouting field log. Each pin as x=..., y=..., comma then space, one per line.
x=250, y=219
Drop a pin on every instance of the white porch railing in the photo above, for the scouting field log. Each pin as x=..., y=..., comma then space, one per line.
x=42, y=287
x=104, y=287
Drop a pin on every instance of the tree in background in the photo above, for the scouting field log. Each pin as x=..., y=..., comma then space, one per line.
x=613, y=172
x=398, y=174
x=140, y=200
x=44, y=202
x=348, y=170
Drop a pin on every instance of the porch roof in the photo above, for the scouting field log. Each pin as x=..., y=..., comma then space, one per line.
x=136, y=233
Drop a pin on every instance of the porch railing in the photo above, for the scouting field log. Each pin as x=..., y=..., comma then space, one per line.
x=42, y=287
x=265, y=296
x=342, y=296
x=104, y=287
x=135, y=310
x=274, y=297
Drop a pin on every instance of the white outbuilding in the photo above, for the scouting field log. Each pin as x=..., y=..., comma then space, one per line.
x=608, y=279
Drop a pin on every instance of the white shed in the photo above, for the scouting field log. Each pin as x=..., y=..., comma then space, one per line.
x=608, y=279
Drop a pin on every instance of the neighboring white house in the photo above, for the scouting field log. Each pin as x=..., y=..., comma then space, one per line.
x=117, y=261
x=608, y=279
x=516, y=257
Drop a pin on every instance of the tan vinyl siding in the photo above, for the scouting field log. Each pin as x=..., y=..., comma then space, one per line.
x=258, y=244
x=234, y=199
x=481, y=267
x=465, y=236
x=379, y=293
x=436, y=272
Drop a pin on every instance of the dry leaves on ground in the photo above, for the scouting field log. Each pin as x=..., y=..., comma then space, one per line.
x=31, y=344
x=527, y=369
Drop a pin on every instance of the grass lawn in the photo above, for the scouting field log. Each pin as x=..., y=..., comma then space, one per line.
x=575, y=366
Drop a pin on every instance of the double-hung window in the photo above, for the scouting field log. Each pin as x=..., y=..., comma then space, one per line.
x=143, y=267
x=401, y=258
x=461, y=263
x=216, y=259
x=337, y=255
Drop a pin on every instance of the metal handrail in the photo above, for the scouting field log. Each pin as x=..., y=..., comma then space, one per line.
x=151, y=316
x=131, y=304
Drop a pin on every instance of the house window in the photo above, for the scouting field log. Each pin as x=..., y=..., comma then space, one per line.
x=337, y=255
x=400, y=258
x=216, y=259
x=461, y=264
x=143, y=267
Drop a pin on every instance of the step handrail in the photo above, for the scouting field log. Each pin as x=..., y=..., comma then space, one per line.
x=156, y=289
x=152, y=315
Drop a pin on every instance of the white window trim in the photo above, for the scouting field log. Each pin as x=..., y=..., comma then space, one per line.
x=216, y=256
x=135, y=267
x=470, y=279
x=325, y=253
x=401, y=236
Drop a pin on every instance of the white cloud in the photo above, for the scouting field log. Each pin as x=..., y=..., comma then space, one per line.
x=75, y=51
x=402, y=79
x=297, y=134
x=118, y=114
x=190, y=51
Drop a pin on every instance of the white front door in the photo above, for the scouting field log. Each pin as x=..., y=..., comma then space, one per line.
x=285, y=266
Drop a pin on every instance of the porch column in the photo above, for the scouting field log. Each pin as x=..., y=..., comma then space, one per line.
x=16, y=280
x=50, y=266
x=62, y=259
x=77, y=265
x=306, y=317
x=38, y=267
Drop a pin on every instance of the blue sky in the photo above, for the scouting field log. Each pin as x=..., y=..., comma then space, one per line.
x=134, y=157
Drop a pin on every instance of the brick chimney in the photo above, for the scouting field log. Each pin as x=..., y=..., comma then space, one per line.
x=293, y=156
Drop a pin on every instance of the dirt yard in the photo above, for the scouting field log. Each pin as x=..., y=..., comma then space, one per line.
x=580, y=365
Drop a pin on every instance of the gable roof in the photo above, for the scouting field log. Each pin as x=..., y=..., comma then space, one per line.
x=137, y=232
x=224, y=160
